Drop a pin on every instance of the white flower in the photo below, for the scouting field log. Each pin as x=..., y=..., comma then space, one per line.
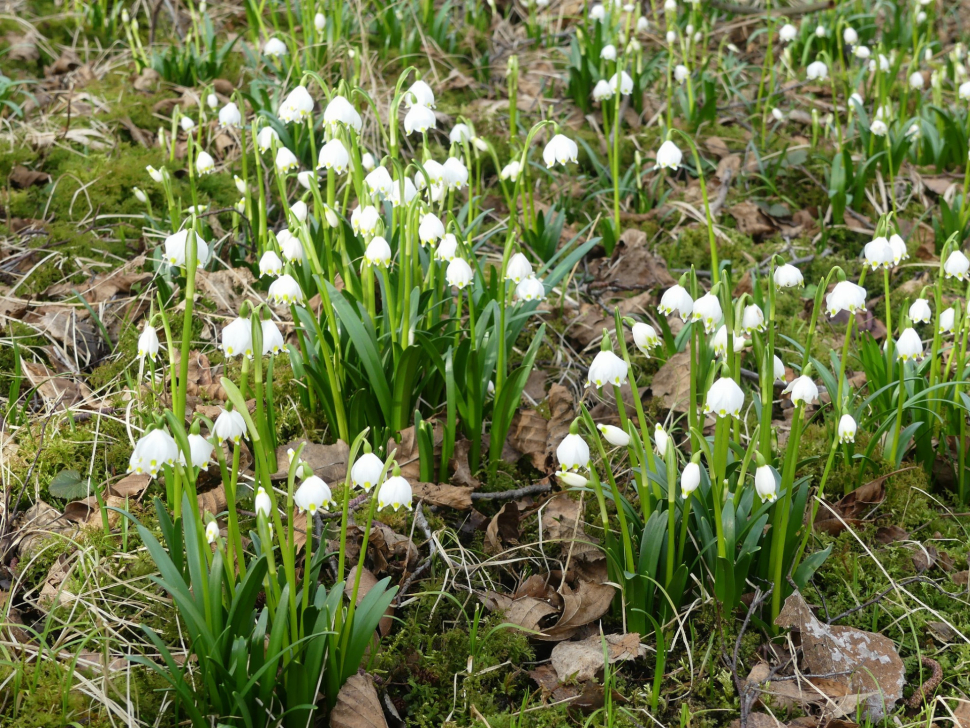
x=158, y=175
x=753, y=319
x=270, y=264
x=645, y=337
x=669, y=156
x=910, y=346
x=817, y=71
x=511, y=170
x=229, y=425
x=624, y=81
x=204, y=163
x=379, y=181
x=186, y=123
x=920, y=312
x=200, y=452
x=707, y=310
x=856, y=98
x=272, y=337
x=614, y=435
x=285, y=290
x=299, y=210
x=211, y=532
x=419, y=119
x=724, y=398
x=788, y=276
x=148, y=344
x=430, y=229
x=341, y=111
x=175, y=249
x=690, y=479
x=410, y=192
x=266, y=138
x=602, y=91
x=229, y=115
x=608, y=53
x=367, y=471
x=846, y=296
x=681, y=73
x=964, y=90
x=956, y=266
x=459, y=274
x=946, y=321
x=916, y=80
x=275, y=47
x=676, y=298
x=778, y=114
x=312, y=495
x=240, y=206
x=331, y=216
x=237, y=338
x=212, y=101
x=519, y=268
x=286, y=160
x=862, y=52
x=378, y=252
x=642, y=24
x=899, y=248
x=333, y=155
x=788, y=33
x=573, y=453
x=914, y=131
x=671, y=37
x=720, y=342
x=262, y=504
x=878, y=127
x=661, y=438
x=435, y=174
x=364, y=220
x=802, y=390
x=447, y=248
x=241, y=185
x=574, y=480
x=291, y=246
x=850, y=36
x=419, y=94
x=560, y=149
x=779, y=368
x=456, y=174
x=879, y=253
x=152, y=452
x=597, y=13
x=607, y=368
x=820, y=31
x=367, y=161
x=847, y=429
x=765, y=485
x=459, y=133
x=319, y=22
x=395, y=492
x=297, y=106
x=530, y=289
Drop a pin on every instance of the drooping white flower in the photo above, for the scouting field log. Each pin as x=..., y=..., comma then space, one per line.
x=320, y=22
x=707, y=310
x=879, y=253
x=947, y=321
x=573, y=453
x=862, y=52
x=560, y=149
x=152, y=452
x=229, y=425
x=788, y=276
x=643, y=25
x=669, y=156
x=459, y=274
x=312, y=495
x=916, y=80
x=430, y=228
x=820, y=31
x=290, y=246
x=614, y=435
x=211, y=532
x=229, y=115
x=410, y=192
x=898, y=245
x=365, y=220
x=530, y=289
x=187, y=123
x=956, y=266
x=681, y=73
x=367, y=471
x=719, y=342
x=456, y=174
x=237, y=338
x=753, y=319
x=690, y=479
x=788, y=33
x=846, y=296
x=645, y=338
x=419, y=119
x=920, y=312
x=597, y=13
x=676, y=298
x=285, y=290
x=270, y=264
x=447, y=248
x=607, y=368
x=204, y=163
x=459, y=133
x=262, y=503
x=297, y=106
x=964, y=90
x=847, y=429
x=286, y=160
x=395, y=492
x=334, y=156
x=511, y=171
x=378, y=252
x=435, y=172
x=878, y=127
x=765, y=484
x=200, y=452
x=148, y=344
x=850, y=36
x=419, y=94
x=341, y=111
x=817, y=71
x=176, y=246
x=275, y=47
x=910, y=346
x=518, y=269
x=803, y=390
x=779, y=368
x=608, y=53
x=158, y=175
x=602, y=90
x=273, y=343
x=625, y=83
x=266, y=138
x=724, y=398
x=574, y=480
x=379, y=181
x=212, y=101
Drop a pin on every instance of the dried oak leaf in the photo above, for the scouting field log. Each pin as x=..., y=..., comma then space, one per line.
x=367, y=582
x=22, y=178
x=57, y=390
x=580, y=607
x=503, y=528
x=328, y=462
x=440, y=494
x=751, y=220
x=358, y=705
x=582, y=661
x=853, y=507
x=671, y=383
x=633, y=266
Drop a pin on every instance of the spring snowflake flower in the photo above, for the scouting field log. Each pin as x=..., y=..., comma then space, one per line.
x=788, y=276
x=366, y=471
x=285, y=160
x=765, y=484
x=690, y=479
x=898, y=245
x=187, y=123
x=753, y=319
x=211, y=532
x=273, y=343
x=607, y=368
x=157, y=175
x=614, y=435
x=707, y=310
x=152, y=452
x=511, y=171
x=229, y=115
x=285, y=290
x=573, y=453
x=459, y=133
x=720, y=342
x=229, y=425
x=456, y=174
x=395, y=492
x=176, y=245
x=410, y=192
x=262, y=504
x=916, y=80
x=560, y=149
x=947, y=321
x=920, y=312
x=817, y=71
x=847, y=429
x=379, y=181
x=574, y=480
x=419, y=119
x=270, y=264
x=788, y=33
x=669, y=156
x=204, y=163
x=850, y=36
x=803, y=390
x=378, y=252
x=964, y=90
x=661, y=438
x=878, y=127
x=266, y=138
x=430, y=229
x=530, y=289
x=320, y=22
x=681, y=73
x=148, y=344
x=724, y=398
x=862, y=52
x=956, y=266
x=333, y=156
x=846, y=296
x=290, y=246
x=419, y=94
x=910, y=346
x=597, y=13
x=297, y=106
x=275, y=47
x=645, y=338
x=364, y=220
x=340, y=111
x=608, y=53
x=602, y=91
x=200, y=452
x=447, y=248
x=312, y=495
x=879, y=253
x=459, y=274
x=518, y=269
x=676, y=298
x=779, y=368
x=624, y=81
x=237, y=338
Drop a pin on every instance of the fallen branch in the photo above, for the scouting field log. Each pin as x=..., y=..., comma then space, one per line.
x=421, y=523
x=513, y=494
x=791, y=12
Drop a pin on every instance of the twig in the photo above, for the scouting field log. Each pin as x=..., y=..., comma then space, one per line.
x=883, y=594
x=422, y=523
x=352, y=505
x=791, y=12
x=513, y=494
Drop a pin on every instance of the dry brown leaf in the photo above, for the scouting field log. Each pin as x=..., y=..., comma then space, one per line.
x=213, y=501
x=559, y=518
x=22, y=178
x=52, y=592
x=961, y=712
x=890, y=534
x=35, y=526
x=503, y=528
x=101, y=287
x=751, y=220
x=717, y=147
x=389, y=548
x=367, y=582
x=852, y=508
x=529, y=436
x=451, y=496
x=581, y=661
x=57, y=390
x=358, y=705
x=22, y=47
x=328, y=462
x=633, y=266
x=875, y=670
x=581, y=607
x=527, y=613
x=671, y=383
x=228, y=288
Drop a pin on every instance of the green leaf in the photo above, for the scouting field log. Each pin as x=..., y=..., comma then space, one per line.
x=69, y=485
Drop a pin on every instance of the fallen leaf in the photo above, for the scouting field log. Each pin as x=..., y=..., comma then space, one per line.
x=358, y=705
x=581, y=607
x=924, y=557
x=22, y=47
x=228, y=288
x=87, y=512
x=853, y=507
x=582, y=661
x=961, y=712
x=890, y=534
x=751, y=220
x=451, y=496
x=528, y=612
x=716, y=146
x=503, y=528
x=51, y=591
x=22, y=178
x=671, y=383
x=328, y=462
x=367, y=582
x=35, y=526
x=632, y=266
x=57, y=390
x=763, y=720
x=131, y=486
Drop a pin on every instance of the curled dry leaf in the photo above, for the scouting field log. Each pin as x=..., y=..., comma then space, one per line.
x=502, y=529
x=581, y=607
x=358, y=705
x=583, y=660
x=853, y=507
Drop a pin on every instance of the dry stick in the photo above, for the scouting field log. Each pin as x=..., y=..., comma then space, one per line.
x=882, y=595
x=422, y=523
x=513, y=494
x=793, y=11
